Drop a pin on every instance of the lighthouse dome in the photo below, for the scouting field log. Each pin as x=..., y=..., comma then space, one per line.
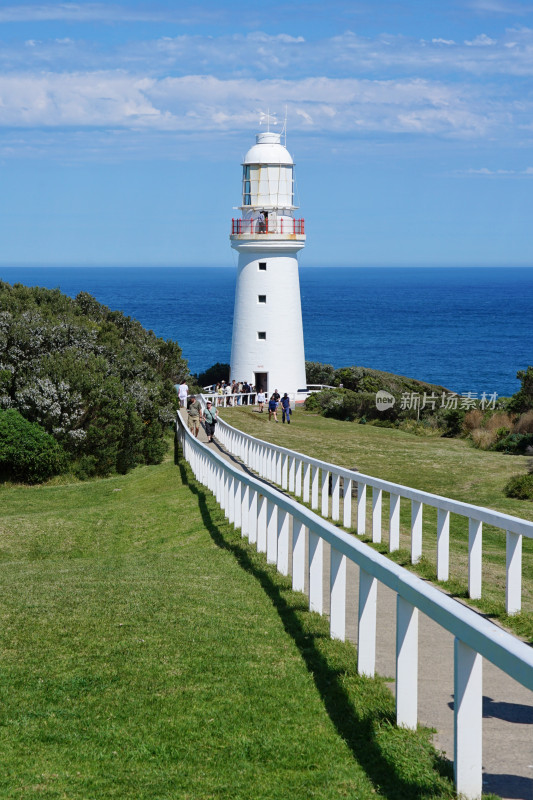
x=268, y=150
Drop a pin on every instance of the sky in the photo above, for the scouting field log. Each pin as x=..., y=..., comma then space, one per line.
x=123, y=126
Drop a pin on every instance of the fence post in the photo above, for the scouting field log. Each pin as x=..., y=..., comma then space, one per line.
x=292, y=468
x=443, y=544
x=325, y=493
x=337, y=617
x=261, y=523
x=272, y=532
x=474, y=558
x=394, y=522
x=237, y=509
x=366, y=634
x=335, y=496
x=307, y=480
x=467, y=720
x=347, y=484
x=245, y=503
x=377, y=500
x=252, y=516
x=283, y=542
x=314, y=492
x=416, y=531
x=361, y=509
x=513, y=569
x=406, y=663
x=316, y=565
x=298, y=478
x=298, y=555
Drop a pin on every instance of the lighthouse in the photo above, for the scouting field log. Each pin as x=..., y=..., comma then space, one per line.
x=267, y=347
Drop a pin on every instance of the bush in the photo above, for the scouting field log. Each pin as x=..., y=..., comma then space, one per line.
x=315, y=372
x=524, y=424
x=514, y=443
x=215, y=374
x=522, y=401
x=473, y=420
x=483, y=439
x=27, y=452
x=520, y=487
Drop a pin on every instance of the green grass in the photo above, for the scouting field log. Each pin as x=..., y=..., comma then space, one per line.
x=147, y=652
x=448, y=467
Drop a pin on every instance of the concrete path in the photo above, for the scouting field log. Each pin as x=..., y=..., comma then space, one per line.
x=507, y=706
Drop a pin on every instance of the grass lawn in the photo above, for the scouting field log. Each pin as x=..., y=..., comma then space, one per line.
x=449, y=467
x=147, y=652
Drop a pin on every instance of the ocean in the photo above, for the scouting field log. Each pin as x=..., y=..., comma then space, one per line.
x=468, y=329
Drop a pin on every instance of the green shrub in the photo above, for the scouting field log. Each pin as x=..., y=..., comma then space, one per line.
x=27, y=452
x=520, y=486
x=514, y=443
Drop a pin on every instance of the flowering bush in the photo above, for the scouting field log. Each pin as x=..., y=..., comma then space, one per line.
x=92, y=378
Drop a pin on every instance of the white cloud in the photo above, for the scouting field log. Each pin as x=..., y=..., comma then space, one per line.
x=481, y=41
x=443, y=41
x=202, y=103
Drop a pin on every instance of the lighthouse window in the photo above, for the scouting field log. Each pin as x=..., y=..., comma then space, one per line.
x=263, y=265
x=261, y=298
x=246, y=187
x=261, y=335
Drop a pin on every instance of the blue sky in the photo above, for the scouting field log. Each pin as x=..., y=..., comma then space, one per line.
x=123, y=125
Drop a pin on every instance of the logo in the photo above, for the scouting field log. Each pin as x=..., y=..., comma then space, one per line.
x=384, y=400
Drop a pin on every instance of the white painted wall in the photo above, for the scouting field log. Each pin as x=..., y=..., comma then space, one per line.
x=281, y=355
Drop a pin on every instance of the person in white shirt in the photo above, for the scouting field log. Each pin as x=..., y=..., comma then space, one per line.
x=261, y=401
x=182, y=394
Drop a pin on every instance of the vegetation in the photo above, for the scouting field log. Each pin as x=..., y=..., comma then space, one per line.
x=93, y=379
x=443, y=466
x=422, y=408
x=215, y=374
x=27, y=452
x=148, y=652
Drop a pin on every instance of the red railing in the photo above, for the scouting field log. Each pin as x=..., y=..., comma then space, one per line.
x=281, y=226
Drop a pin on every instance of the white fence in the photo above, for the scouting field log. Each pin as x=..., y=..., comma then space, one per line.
x=309, y=478
x=279, y=526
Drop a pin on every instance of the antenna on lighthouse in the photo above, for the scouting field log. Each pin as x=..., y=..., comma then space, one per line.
x=268, y=118
x=284, y=129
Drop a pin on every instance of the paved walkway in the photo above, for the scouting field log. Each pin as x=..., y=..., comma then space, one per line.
x=507, y=706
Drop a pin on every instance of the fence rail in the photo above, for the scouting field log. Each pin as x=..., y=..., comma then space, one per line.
x=313, y=480
x=279, y=526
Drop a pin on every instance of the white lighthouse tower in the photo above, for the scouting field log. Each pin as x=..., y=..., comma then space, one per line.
x=267, y=346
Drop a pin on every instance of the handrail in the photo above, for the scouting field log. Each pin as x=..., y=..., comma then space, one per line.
x=284, y=226
x=245, y=446
x=263, y=513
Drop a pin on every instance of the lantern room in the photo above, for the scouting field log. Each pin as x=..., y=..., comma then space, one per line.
x=267, y=176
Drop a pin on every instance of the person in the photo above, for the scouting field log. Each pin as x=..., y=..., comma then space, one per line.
x=182, y=394
x=273, y=408
x=261, y=401
x=286, y=408
x=246, y=391
x=220, y=392
x=276, y=395
x=262, y=225
x=210, y=419
x=227, y=392
x=194, y=415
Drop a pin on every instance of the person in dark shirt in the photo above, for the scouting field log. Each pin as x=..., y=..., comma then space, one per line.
x=286, y=408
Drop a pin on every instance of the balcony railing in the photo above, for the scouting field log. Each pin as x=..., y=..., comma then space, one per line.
x=284, y=226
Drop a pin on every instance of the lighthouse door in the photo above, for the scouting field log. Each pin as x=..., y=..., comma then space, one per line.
x=261, y=383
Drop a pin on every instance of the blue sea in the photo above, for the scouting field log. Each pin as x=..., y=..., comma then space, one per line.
x=468, y=329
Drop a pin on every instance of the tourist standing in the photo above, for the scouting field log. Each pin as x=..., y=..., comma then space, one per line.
x=182, y=394
x=261, y=399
